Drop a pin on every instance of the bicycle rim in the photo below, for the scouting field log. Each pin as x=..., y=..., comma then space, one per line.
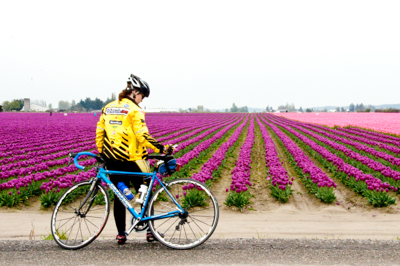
x=73, y=228
x=192, y=228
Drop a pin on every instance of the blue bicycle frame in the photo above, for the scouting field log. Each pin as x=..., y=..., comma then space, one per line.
x=102, y=175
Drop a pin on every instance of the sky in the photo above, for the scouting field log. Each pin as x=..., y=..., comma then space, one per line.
x=211, y=53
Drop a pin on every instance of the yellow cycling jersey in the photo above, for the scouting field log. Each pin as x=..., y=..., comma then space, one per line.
x=122, y=133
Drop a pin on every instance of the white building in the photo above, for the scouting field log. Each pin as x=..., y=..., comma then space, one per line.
x=31, y=107
x=160, y=110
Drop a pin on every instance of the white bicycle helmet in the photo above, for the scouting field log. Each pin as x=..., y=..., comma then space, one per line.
x=139, y=84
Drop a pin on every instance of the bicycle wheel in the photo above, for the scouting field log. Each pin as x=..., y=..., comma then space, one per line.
x=195, y=225
x=73, y=227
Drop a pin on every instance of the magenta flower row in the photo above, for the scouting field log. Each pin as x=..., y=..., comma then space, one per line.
x=372, y=182
x=215, y=161
x=241, y=172
x=277, y=174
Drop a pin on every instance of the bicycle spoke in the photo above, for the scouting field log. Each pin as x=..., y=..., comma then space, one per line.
x=192, y=231
x=199, y=220
x=65, y=222
x=93, y=224
x=166, y=221
x=94, y=217
x=87, y=227
x=71, y=230
x=203, y=219
x=170, y=226
x=202, y=209
x=198, y=226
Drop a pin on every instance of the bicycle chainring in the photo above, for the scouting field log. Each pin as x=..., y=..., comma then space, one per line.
x=141, y=226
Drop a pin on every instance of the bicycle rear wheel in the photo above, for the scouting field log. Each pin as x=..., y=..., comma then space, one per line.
x=79, y=216
x=195, y=225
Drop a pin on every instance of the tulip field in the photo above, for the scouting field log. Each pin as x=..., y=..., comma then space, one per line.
x=324, y=154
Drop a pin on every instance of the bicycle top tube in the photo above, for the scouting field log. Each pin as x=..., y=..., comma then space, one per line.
x=107, y=172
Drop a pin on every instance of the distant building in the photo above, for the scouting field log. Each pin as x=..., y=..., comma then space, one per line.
x=280, y=110
x=161, y=110
x=31, y=107
x=27, y=105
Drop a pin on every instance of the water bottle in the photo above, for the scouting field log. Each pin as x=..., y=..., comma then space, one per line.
x=141, y=194
x=125, y=190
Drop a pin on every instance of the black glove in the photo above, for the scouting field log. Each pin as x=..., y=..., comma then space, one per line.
x=168, y=149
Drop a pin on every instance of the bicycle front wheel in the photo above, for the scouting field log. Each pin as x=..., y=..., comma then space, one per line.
x=80, y=216
x=195, y=225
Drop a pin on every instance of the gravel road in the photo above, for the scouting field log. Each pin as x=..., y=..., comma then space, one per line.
x=214, y=251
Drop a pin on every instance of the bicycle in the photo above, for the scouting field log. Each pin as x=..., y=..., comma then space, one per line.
x=181, y=214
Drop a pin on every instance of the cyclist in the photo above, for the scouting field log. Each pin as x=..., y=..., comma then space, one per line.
x=122, y=139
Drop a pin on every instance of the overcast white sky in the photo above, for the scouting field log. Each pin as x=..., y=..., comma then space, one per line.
x=211, y=53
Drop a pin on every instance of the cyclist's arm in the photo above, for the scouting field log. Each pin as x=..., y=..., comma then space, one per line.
x=142, y=134
x=100, y=132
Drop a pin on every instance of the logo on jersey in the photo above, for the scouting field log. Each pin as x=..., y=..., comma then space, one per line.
x=113, y=122
x=126, y=105
x=116, y=111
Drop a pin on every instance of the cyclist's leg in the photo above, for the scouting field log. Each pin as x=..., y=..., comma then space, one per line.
x=119, y=208
x=144, y=166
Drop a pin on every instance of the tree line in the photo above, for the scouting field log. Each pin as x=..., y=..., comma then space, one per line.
x=14, y=105
x=85, y=105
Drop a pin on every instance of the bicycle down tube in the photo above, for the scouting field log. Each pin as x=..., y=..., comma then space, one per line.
x=139, y=217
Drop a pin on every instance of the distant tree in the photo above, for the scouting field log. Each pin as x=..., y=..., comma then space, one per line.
x=63, y=105
x=6, y=106
x=243, y=109
x=342, y=110
x=267, y=109
x=301, y=109
x=290, y=107
x=367, y=110
x=234, y=108
x=97, y=104
x=15, y=105
x=351, y=107
x=73, y=104
x=226, y=110
x=371, y=107
x=50, y=106
x=113, y=98
x=325, y=110
x=361, y=107
x=337, y=109
x=308, y=110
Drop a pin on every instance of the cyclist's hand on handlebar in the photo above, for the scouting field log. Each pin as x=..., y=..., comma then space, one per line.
x=168, y=148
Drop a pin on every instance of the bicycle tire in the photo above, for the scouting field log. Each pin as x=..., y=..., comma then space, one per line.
x=200, y=221
x=65, y=213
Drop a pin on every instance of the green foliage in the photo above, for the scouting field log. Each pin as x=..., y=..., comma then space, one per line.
x=203, y=156
x=194, y=198
x=49, y=199
x=325, y=194
x=238, y=199
x=281, y=195
x=379, y=199
x=61, y=235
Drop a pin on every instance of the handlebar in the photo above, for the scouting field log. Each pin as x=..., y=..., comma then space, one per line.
x=75, y=156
